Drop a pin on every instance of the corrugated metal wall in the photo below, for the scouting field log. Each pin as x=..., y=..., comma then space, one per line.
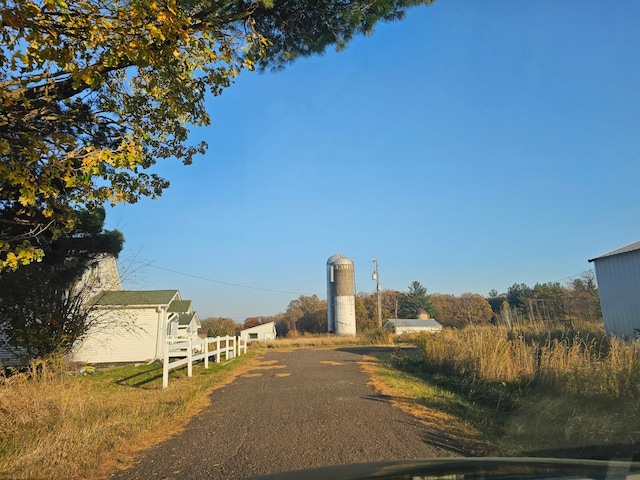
x=618, y=278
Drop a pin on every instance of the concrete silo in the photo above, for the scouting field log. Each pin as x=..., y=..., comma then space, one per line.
x=341, y=291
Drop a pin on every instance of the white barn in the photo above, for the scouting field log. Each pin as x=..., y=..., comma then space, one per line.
x=618, y=278
x=259, y=333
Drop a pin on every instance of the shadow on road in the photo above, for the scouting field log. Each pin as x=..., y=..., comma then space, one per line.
x=380, y=352
x=434, y=434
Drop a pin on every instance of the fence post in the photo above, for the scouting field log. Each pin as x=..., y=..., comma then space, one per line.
x=206, y=352
x=189, y=358
x=165, y=366
x=218, y=350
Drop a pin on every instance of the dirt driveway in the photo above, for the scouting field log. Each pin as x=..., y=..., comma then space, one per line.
x=296, y=409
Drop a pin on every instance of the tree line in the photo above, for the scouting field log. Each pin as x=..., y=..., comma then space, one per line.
x=544, y=302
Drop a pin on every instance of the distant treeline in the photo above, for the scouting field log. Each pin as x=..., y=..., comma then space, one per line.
x=544, y=302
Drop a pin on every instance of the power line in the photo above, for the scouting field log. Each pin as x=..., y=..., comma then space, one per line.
x=221, y=282
x=574, y=276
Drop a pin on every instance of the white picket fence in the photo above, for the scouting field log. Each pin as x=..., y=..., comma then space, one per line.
x=193, y=350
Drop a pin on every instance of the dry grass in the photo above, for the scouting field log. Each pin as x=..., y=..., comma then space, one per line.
x=565, y=360
x=559, y=390
x=72, y=426
x=325, y=340
x=431, y=405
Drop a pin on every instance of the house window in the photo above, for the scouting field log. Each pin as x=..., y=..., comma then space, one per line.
x=253, y=336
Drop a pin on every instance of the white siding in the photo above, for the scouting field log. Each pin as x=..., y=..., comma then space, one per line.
x=6, y=357
x=345, y=315
x=401, y=330
x=619, y=288
x=104, y=275
x=125, y=335
x=262, y=333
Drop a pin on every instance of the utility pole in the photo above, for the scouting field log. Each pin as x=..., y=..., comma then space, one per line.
x=375, y=276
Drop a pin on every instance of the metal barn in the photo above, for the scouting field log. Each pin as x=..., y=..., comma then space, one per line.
x=618, y=277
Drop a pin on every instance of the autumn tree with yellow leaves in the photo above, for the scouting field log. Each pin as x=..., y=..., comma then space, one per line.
x=94, y=92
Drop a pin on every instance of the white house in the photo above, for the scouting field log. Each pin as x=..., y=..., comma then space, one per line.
x=126, y=326
x=101, y=275
x=133, y=326
x=618, y=277
x=186, y=323
x=413, y=325
x=260, y=333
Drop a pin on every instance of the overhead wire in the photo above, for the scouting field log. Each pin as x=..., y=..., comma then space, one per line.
x=221, y=282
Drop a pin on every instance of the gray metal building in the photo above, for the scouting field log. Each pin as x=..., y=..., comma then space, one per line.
x=618, y=277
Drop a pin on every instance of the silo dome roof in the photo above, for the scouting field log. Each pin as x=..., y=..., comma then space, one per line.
x=339, y=259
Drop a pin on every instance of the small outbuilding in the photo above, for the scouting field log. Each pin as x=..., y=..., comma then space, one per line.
x=618, y=278
x=259, y=333
x=413, y=325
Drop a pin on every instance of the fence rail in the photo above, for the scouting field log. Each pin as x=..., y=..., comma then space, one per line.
x=193, y=350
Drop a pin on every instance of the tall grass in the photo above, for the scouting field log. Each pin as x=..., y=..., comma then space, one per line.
x=566, y=360
x=545, y=389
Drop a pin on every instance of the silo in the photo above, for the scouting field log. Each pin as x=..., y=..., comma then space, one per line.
x=341, y=290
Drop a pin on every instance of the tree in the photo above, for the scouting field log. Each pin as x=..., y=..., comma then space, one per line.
x=363, y=318
x=94, y=92
x=448, y=310
x=251, y=322
x=584, y=300
x=476, y=309
x=415, y=300
x=44, y=306
x=307, y=313
x=496, y=300
x=367, y=310
x=219, y=327
x=517, y=295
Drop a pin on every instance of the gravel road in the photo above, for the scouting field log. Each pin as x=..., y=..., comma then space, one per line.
x=296, y=409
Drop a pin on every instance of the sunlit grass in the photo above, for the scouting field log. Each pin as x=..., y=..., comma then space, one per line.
x=556, y=390
x=325, y=340
x=57, y=425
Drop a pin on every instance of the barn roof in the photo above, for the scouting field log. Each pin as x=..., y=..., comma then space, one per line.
x=262, y=326
x=135, y=297
x=414, y=322
x=632, y=247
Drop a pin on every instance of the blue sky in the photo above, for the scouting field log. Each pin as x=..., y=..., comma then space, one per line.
x=470, y=146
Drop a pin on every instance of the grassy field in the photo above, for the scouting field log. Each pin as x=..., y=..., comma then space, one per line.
x=56, y=425
x=541, y=391
x=560, y=391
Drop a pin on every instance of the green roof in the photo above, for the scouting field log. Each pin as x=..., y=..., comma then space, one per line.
x=180, y=306
x=185, y=318
x=133, y=297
